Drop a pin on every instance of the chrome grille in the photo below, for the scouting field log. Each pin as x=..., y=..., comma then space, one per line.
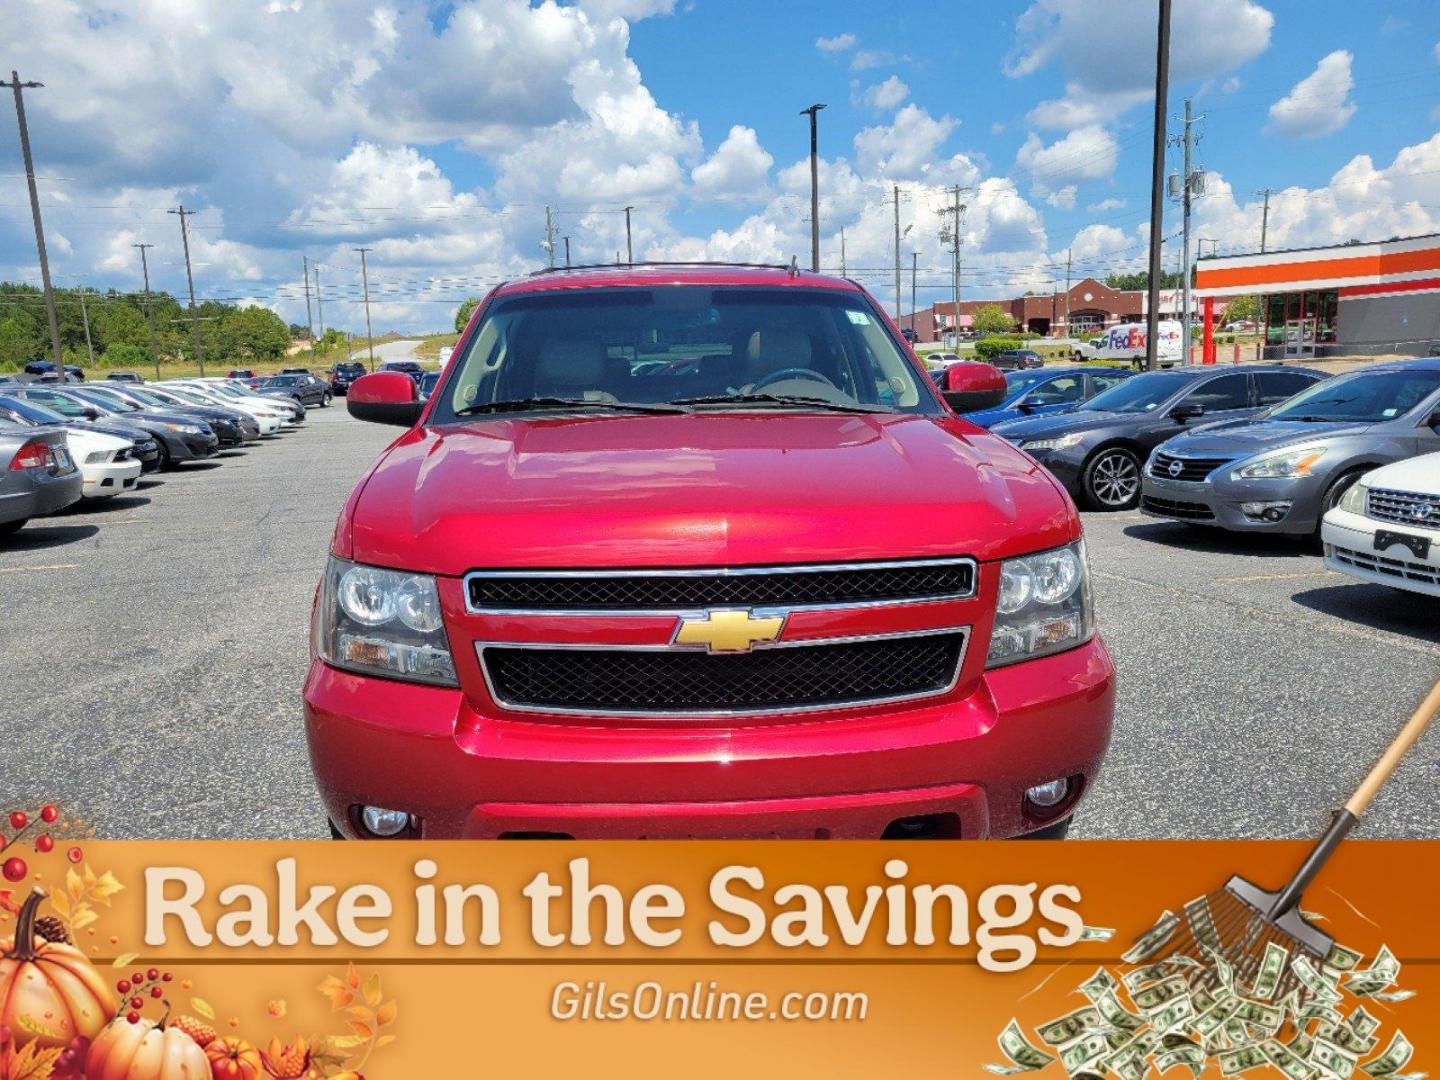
x=790, y=587
x=783, y=678
x=1190, y=469
x=1376, y=563
x=1403, y=507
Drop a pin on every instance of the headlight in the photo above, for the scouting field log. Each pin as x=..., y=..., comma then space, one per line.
x=97, y=457
x=1285, y=465
x=382, y=622
x=1043, y=606
x=186, y=429
x=1356, y=498
x=1052, y=444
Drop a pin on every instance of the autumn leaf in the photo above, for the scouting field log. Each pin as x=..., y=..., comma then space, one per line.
x=106, y=887
x=33, y=1063
x=339, y=994
x=352, y=977
x=124, y=959
x=365, y=1031
x=277, y=1008
x=83, y=917
x=384, y=1040
x=35, y=1027
x=360, y=1012
x=73, y=884
x=60, y=902
x=372, y=990
x=343, y=1042
x=203, y=1007
x=386, y=1013
x=88, y=876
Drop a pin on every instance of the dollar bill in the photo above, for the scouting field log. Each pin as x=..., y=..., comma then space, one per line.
x=1069, y=1027
x=1361, y=1022
x=1151, y=998
x=1391, y=996
x=1334, y=1059
x=1153, y=940
x=1313, y=981
x=1272, y=966
x=1382, y=973
x=1173, y=1015
x=1341, y=958
x=1097, y=933
x=1302, y=1044
x=1102, y=982
x=1023, y=1057
x=1396, y=1056
x=1213, y=1018
x=1267, y=1017
x=1116, y=1015
x=1287, y=1061
x=1192, y=1056
x=1346, y=1038
x=1083, y=1052
x=1142, y=976
x=1223, y=971
x=1240, y=1059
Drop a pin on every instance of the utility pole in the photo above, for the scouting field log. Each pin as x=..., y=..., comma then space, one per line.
x=16, y=85
x=812, y=112
x=1157, y=182
x=897, y=252
x=190, y=277
x=1186, y=186
x=149, y=307
x=85, y=319
x=309, y=319
x=365, y=284
x=1264, y=217
x=843, y=271
x=320, y=309
x=914, y=269
x=1067, y=292
x=549, y=244
x=629, y=243
x=950, y=234
x=567, y=249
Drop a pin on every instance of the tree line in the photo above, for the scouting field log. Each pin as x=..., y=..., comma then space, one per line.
x=118, y=335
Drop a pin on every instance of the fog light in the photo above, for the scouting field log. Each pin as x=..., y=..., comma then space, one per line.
x=1265, y=511
x=381, y=822
x=1047, y=795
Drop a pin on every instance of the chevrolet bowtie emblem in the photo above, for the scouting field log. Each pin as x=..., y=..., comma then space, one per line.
x=728, y=631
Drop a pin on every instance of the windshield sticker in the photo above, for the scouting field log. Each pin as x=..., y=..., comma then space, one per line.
x=1389, y=413
x=859, y=318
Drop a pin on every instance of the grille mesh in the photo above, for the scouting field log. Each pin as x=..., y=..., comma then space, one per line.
x=1404, y=507
x=1191, y=469
x=768, y=680
x=688, y=592
x=1171, y=508
x=1425, y=573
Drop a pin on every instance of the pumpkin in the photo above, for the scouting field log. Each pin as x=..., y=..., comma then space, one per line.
x=145, y=1050
x=234, y=1059
x=49, y=993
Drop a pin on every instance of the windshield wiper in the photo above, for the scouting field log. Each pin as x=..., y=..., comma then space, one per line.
x=782, y=399
x=1309, y=419
x=539, y=403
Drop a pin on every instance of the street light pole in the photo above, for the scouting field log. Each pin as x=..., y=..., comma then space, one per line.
x=1157, y=183
x=16, y=85
x=812, y=112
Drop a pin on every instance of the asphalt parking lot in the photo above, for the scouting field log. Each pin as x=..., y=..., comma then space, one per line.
x=154, y=649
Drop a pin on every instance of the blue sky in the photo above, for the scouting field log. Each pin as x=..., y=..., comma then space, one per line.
x=436, y=134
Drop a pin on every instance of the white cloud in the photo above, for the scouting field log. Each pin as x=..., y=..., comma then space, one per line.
x=737, y=170
x=631, y=10
x=1106, y=204
x=1087, y=153
x=910, y=146
x=1064, y=199
x=886, y=95
x=1213, y=37
x=1317, y=105
x=837, y=44
x=1230, y=85
x=1436, y=52
x=865, y=59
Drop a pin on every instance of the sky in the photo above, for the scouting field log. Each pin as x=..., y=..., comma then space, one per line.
x=437, y=134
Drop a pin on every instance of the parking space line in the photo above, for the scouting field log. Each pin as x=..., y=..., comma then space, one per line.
x=30, y=569
x=1275, y=577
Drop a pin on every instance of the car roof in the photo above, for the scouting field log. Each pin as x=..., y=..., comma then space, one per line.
x=651, y=274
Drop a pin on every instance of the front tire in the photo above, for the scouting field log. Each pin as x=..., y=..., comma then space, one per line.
x=1333, y=494
x=1112, y=479
x=163, y=463
x=325, y=401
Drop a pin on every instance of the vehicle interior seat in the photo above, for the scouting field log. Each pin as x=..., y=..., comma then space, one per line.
x=568, y=367
x=770, y=350
x=719, y=373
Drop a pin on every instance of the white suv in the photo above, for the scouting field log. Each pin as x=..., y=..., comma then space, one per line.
x=1386, y=528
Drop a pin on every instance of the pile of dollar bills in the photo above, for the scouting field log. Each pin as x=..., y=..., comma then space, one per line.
x=1193, y=1010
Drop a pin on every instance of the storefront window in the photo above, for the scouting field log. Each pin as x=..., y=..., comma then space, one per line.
x=1275, y=319
x=1329, y=303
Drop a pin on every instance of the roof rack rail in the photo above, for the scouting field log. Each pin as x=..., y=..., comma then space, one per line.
x=790, y=266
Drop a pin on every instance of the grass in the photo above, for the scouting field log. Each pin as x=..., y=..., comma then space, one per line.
x=430, y=346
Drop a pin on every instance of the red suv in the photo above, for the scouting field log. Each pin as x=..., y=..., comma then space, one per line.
x=680, y=551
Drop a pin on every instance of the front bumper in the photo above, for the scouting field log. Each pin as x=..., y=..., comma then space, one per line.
x=1067, y=466
x=426, y=750
x=1350, y=549
x=193, y=447
x=109, y=478
x=1218, y=500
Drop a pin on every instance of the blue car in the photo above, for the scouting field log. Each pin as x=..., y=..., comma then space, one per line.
x=1048, y=390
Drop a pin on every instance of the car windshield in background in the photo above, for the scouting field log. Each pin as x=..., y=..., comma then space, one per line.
x=104, y=399
x=186, y=396
x=1139, y=394
x=145, y=397
x=711, y=347
x=1365, y=397
x=38, y=414
x=282, y=380
x=1017, y=382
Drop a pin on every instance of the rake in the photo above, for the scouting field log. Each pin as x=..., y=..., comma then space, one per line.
x=1239, y=921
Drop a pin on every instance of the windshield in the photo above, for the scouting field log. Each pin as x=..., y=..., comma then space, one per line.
x=1364, y=397
x=684, y=343
x=1017, y=382
x=283, y=380
x=188, y=395
x=38, y=414
x=105, y=400
x=1140, y=393
x=146, y=397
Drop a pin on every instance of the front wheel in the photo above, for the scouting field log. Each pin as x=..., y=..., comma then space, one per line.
x=162, y=460
x=1112, y=479
x=1333, y=494
x=325, y=401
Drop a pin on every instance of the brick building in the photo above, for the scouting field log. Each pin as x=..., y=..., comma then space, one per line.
x=1092, y=306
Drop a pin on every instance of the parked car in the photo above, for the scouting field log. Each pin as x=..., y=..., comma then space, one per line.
x=231, y=426
x=428, y=382
x=305, y=389
x=181, y=438
x=47, y=367
x=1239, y=326
x=1386, y=527
x=796, y=489
x=409, y=367
x=16, y=409
x=1051, y=390
x=343, y=374
x=257, y=405
x=909, y=334
x=37, y=474
x=295, y=371
x=941, y=359
x=124, y=377
x=1097, y=451
x=108, y=465
x=1017, y=360
x=241, y=373
x=1283, y=470
x=294, y=411
x=268, y=420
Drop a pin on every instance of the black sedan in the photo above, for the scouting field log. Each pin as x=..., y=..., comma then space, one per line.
x=306, y=389
x=1097, y=450
x=343, y=374
x=178, y=438
x=16, y=410
x=231, y=426
x=1018, y=360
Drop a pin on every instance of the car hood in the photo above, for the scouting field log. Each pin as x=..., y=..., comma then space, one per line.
x=1056, y=424
x=1241, y=438
x=700, y=490
x=114, y=429
x=1420, y=474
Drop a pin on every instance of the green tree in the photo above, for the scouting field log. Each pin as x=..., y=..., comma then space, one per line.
x=992, y=319
x=123, y=355
x=1134, y=282
x=988, y=348
x=462, y=316
x=1242, y=307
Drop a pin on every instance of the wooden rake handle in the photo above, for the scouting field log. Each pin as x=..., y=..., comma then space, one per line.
x=1390, y=760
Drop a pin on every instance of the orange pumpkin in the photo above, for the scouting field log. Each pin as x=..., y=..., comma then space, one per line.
x=145, y=1051
x=234, y=1059
x=51, y=985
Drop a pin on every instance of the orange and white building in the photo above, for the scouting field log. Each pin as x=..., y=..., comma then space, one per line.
x=1336, y=301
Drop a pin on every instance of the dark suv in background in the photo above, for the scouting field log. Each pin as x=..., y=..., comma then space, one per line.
x=343, y=374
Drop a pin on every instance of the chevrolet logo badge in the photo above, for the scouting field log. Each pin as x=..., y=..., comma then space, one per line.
x=728, y=631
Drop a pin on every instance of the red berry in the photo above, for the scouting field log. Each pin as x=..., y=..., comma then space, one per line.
x=156, y=992
x=152, y=974
x=74, y=854
x=14, y=869
x=44, y=844
x=48, y=813
x=123, y=986
x=166, y=977
x=137, y=1003
x=19, y=819
x=133, y=1017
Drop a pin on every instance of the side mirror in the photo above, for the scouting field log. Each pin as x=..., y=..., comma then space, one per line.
x=386, y=397
x=91, y=413
x=970, y=387
x=1187, y=412
x=1040, y=401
